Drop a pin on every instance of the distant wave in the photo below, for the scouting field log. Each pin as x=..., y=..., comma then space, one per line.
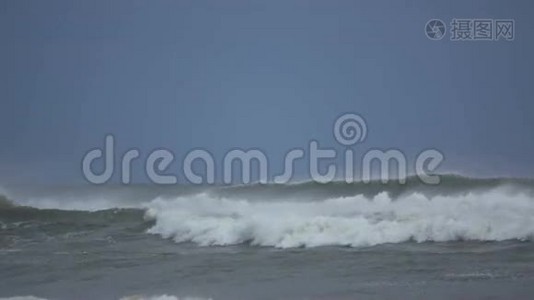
x=94, y=198
x=4, y=202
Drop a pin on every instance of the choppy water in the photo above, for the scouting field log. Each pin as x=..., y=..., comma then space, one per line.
x=466, y=238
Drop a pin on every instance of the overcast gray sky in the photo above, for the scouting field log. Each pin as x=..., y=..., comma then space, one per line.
x=259, y=74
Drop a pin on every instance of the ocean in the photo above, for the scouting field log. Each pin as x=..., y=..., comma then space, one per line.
x=465, y=238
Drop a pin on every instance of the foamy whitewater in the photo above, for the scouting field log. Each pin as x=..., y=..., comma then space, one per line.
x=466, y=238
x=349, y=221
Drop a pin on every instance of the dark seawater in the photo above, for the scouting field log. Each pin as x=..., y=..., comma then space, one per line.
x=464, y=239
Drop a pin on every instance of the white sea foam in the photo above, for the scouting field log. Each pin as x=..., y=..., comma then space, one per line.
x=23, y=298
x=494, y=215
x=73, y=201
x=78, y=203
x=160, y=297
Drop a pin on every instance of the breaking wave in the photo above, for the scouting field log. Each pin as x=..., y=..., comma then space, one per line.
x=284, y=216
x=355, y=221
